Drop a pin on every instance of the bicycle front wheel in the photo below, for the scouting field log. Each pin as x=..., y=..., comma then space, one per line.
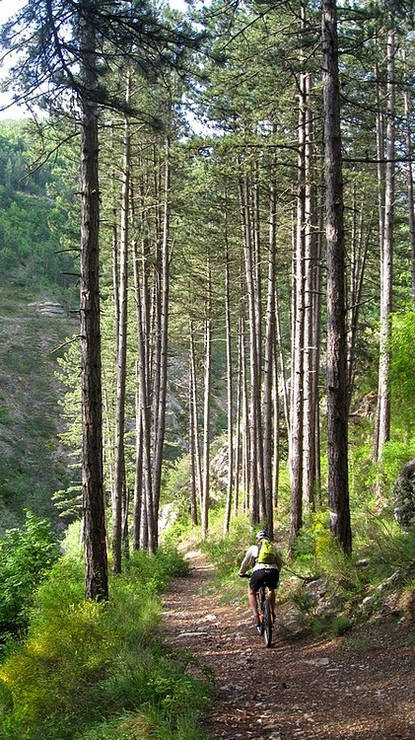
x=267, y=625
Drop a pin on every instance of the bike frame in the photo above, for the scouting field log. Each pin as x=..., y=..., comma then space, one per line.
x=265, y=626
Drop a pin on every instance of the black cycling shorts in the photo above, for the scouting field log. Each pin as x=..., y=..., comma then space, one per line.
x=268, y=576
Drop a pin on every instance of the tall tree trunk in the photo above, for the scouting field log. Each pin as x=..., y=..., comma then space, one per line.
x=410, y=179
x=282, y=362
x=337, y=427
x=296, y=443
x=246, y=435
x=256, y=450
x=206, y=410
x=96, y=564
x=143, y=424
x=160, y=409
x=119, y=462
x=195, y=410
x=276, y=434
x=312, y=265
x=267, y=405
x=359, y=247
x=238, y=476
x=229, y=384
x=381, y=176
x=142, y=266
x=138, y=477
x=387, y=256
x=192, y=450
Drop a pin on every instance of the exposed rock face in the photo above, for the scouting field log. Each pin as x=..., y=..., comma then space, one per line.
x=404, y=497
x=47, y=308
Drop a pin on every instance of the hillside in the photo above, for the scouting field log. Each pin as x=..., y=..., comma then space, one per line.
x=36, y=275
x=32, y=463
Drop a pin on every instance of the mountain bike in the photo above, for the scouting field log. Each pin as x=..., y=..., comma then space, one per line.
x=264, y=626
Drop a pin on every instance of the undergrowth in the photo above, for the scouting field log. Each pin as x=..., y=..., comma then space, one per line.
x=89, y=670
x=322, y=586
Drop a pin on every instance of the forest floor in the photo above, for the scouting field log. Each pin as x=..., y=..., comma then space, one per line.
x=355, y=687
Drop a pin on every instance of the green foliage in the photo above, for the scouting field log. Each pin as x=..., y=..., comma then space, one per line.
x=403, y=368
x=314, y=540
x=155, y=571
x=226, y=552
x=178, y=532
x=96, y=670
x=29, y=244
x=340, y=625
x=386, y=547
x=397, y=452
x=363, y=474
x=26, y=556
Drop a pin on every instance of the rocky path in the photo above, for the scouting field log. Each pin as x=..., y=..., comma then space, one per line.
x=359, y=688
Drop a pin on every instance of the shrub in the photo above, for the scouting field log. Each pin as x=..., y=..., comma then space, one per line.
x=88, y=669
x=340, y=625
x=26, y=556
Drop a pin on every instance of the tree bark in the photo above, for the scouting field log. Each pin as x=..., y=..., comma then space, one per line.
x=138, y=472
x=229, y=386
x=383, y=413
x=337, y=427
x=195, y=406
x=143, y=423
x=359, y=247
x=96, y=565
x=296, y=442
x=160, y=408
x=122, y=314
x=311, y=309
x=238, y=476
x=206, y=409
x=408, y=100
x=257, y=504
x=269, y=356
x=192, y=449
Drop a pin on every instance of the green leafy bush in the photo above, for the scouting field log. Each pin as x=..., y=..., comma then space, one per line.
x=26, y=556
x=89, y=670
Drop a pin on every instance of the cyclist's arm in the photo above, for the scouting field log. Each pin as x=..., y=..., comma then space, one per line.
x=248, y=560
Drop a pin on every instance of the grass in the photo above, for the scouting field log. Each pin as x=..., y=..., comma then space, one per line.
x=89, y=670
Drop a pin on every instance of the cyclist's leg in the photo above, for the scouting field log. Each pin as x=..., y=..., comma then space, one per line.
x=253, y=602
x=253, y=586
x=271, y=602
x=272, y=583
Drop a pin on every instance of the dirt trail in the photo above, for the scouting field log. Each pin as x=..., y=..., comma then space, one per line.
x=331, y=690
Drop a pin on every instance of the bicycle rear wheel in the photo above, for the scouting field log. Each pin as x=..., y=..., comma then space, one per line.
x=267, y=624
x=260, y=602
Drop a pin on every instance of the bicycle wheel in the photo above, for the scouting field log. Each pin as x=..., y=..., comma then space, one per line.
x=260, y=601
x=267, y=625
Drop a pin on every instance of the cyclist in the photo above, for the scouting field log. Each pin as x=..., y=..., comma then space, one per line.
x=262, y=573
